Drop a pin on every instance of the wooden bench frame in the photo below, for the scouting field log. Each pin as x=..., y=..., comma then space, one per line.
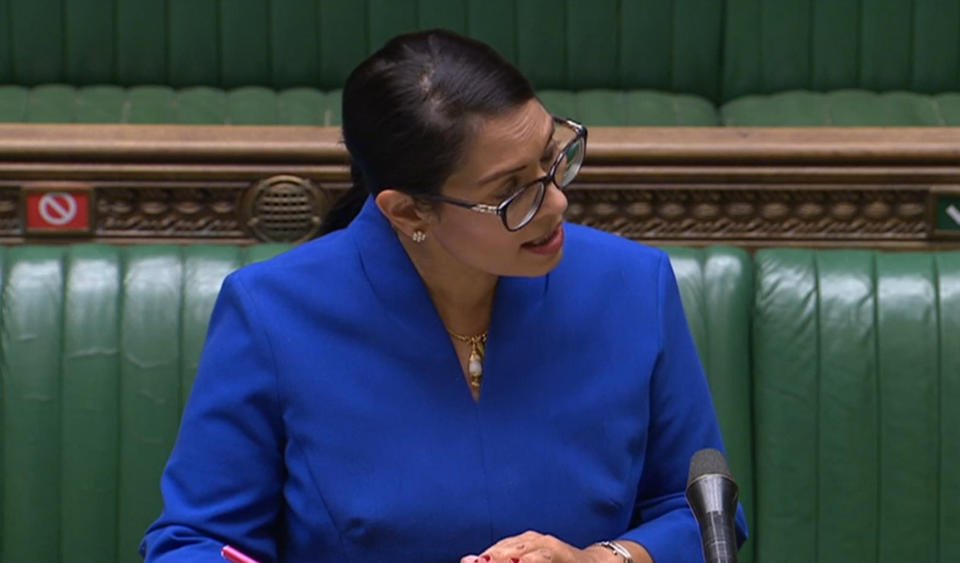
x=819, y=187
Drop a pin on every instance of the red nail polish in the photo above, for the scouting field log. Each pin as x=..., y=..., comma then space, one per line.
x=514, y=560
x=486, y=558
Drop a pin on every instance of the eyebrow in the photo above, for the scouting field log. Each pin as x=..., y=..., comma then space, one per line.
x=494, y=175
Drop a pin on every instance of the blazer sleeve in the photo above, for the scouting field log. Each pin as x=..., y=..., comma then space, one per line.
x=223, y=482
x=682, y=421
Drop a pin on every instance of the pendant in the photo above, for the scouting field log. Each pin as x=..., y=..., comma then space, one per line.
x=475, y=368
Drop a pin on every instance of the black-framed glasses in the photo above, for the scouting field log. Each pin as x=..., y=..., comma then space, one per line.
x=517, y=210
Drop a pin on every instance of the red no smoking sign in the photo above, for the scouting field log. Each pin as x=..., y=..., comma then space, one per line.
x=56, y=211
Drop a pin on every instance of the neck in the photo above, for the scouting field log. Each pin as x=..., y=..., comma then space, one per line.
x=462, y=295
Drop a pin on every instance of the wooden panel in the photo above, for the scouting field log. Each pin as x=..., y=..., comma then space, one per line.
x=870, y=187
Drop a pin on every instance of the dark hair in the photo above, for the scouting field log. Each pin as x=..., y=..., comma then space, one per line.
x=409, y=108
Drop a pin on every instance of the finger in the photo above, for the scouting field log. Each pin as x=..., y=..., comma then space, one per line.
x=539, y=555
x=488, y=558
x=502, y=556
x=468, y=559
x=514, y=546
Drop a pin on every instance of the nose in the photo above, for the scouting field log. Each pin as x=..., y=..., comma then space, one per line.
x=554, y=201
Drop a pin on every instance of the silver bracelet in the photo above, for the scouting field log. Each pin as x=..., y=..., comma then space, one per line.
x=618, y=549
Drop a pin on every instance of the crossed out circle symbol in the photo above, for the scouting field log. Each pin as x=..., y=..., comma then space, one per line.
x=58, y=208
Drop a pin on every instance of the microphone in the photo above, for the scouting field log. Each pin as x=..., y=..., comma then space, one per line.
x=712, y=495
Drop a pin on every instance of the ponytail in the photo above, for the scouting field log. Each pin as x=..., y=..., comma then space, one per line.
x=347, y=206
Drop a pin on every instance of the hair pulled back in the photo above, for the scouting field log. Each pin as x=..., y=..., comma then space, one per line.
x=409, y=108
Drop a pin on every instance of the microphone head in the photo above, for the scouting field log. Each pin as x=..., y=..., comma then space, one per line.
x=710, y=486
x=712, y=495
x=705, y=462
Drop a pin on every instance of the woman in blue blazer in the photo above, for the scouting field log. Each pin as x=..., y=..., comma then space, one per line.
x=454, y=374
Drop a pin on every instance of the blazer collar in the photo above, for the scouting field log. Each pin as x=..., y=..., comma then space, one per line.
x=403, y=295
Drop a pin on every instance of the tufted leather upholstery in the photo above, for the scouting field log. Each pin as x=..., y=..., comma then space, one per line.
x=716, y=286
x=834, y=373
x=856, y=384
x=822, y=45
x=843, y=108
x=570, y=45
x=605, y=62
x=99, y=348
x=257, y=105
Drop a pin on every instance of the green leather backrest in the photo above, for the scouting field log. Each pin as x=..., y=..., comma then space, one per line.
x=560, y=44
x=99, y=348
x=849, y=415
x=856, y=391
x=776, y=45
x=712, y=48
x=716, y=286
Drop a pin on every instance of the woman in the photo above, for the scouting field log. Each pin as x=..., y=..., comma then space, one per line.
x=454, y=374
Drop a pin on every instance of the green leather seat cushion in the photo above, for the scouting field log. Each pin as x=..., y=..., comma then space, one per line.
x=843, y=108
x=257, y=105
x=161, y=104
x=631, y=108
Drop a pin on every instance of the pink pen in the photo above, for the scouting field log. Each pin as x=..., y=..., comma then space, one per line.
x=231, y=554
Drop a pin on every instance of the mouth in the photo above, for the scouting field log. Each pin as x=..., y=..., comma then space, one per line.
x=547, y=244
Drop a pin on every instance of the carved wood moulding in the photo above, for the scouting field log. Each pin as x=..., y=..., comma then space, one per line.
x=768, y=212
x=753, y=187
x=201, y=212
x=9, y=212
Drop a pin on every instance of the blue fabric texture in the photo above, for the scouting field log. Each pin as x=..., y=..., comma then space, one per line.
x=330, y=420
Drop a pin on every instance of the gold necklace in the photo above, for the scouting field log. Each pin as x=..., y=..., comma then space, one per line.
x=478, y=345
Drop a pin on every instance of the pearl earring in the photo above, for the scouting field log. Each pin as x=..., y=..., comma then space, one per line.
x=419, y=236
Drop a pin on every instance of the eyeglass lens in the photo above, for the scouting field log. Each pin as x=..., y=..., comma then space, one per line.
x=522, y=209
x=524, y=206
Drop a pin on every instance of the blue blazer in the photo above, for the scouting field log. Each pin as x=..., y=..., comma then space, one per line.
x=330, y=420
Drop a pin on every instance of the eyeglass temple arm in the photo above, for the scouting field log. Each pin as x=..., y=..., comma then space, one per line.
x=481, y=207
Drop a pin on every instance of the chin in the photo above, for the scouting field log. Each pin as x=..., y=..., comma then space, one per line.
x=536, y=266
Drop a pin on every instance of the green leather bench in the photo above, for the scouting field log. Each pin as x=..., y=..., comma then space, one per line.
x=836, y=376
x=605, y=62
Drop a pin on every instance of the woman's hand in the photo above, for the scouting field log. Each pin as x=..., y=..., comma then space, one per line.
x=533, y=547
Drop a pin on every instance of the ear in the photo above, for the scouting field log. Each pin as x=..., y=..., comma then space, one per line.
x=402, y=211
